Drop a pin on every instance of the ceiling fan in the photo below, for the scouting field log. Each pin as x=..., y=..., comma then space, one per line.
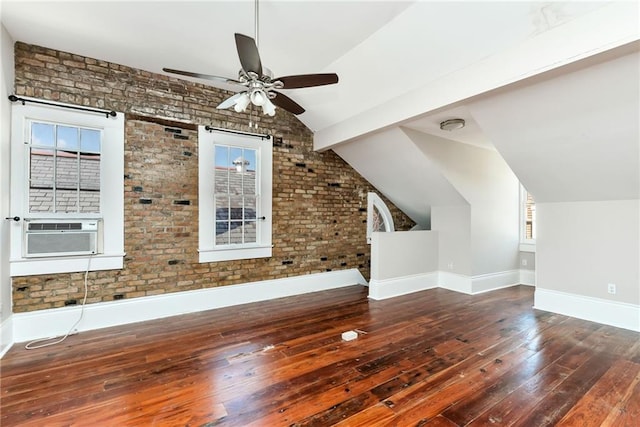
x=256, y=83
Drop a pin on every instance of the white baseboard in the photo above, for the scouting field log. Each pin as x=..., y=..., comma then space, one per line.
x=388, y=288
x=54, y=322
x=621, y=315
x=6, y=335
x=493, y=281
x=528, y=277
x=471, y=285
x=455, y=282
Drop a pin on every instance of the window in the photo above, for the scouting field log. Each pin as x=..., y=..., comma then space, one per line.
x=527, y=221
x=234, y=195
x=67, y=171
x=378, y=216
x=64, y=169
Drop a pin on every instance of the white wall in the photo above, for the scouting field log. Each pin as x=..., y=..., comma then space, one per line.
x=527, y=260
x=453, y=224
x=6, y=88
x=403, y=253
x=489, y=186
x=583, y=246
x=403, y=262
x=393, y=164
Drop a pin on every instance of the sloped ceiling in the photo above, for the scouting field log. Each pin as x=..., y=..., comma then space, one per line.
x=572, y=137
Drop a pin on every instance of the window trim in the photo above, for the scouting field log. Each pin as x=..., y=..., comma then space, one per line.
x=111, y=190
x=375, y=201
x=207, y=138
x=526, y=245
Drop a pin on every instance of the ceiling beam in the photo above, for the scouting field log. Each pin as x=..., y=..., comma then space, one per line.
x=603, y=29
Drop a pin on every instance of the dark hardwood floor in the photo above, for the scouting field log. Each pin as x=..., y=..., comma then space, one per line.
x=434, y=358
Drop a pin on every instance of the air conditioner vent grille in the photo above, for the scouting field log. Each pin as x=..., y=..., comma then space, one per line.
x=53, y=226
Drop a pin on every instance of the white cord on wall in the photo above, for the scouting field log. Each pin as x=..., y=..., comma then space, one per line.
x=35, y=343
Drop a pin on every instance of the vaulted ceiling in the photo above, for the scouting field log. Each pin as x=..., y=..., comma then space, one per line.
x=552, y=86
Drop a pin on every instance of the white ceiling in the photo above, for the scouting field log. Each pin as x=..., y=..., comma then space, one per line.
x=411, y=64
x=380, y=49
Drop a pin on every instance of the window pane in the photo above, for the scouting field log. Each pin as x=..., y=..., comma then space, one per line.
x=42, y=135
x=222, y=207
x=236, y=207
x=235, y=234
x=41, y=180
x=90, y=172
x=89, y=140
x=222, y=233
x=66, y=201
x=67, y=138
x=222, y=156
x=378, y=220
x=250, y=159
x=90, y=201
x=41, y=200
x=250, y=207
x=41, y=168
x=90, y=183
x=249, y=176
x=250, y=232
x=221, y=171
x=66, y=170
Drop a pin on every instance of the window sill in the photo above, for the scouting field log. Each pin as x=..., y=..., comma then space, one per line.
x=528, y=247
x=215, y=255
x=55, y=265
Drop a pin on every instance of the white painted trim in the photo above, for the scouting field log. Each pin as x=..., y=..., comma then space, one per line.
x=388, y=288
x=207, y=141
x=527, y=247
x=493, y=281
x=6, y=335
x=53, y=322
x=618, y=314
x=55, y=265
x=374, y=201
x=111, y=188
x=527, y=277
x=455, y=282
x=246, y=252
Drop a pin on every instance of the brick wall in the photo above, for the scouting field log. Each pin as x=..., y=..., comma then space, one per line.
x=319, y=202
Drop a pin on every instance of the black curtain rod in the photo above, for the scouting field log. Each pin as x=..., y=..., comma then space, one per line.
x=107, y=113
x=237, y=132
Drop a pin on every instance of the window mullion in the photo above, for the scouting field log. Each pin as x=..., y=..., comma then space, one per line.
x=54, y=178
x=78, y=185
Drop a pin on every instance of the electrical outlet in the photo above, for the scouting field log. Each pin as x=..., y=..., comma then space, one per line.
x=524, y=262
x=450, y=265
x=611, y=287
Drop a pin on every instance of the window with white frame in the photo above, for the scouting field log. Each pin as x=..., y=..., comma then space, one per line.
x=527, y=220
x=67, y=186
x=234, y=195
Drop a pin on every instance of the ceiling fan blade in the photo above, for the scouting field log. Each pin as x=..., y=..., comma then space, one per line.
x=201, y=76
x=248, y=54
x=230, y=101
x=307, y=80
x=283, y=101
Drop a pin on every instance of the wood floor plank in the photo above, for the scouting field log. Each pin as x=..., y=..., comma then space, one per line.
x=436, y=358
x=603, y=398
x=561, y=399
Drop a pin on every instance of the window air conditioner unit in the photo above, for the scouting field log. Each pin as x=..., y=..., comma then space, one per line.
x=54, y=237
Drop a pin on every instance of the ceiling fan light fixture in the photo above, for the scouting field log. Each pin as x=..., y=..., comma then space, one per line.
x=242, y=103
x=258, y=97
x=268, y=108
x=452, y=124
